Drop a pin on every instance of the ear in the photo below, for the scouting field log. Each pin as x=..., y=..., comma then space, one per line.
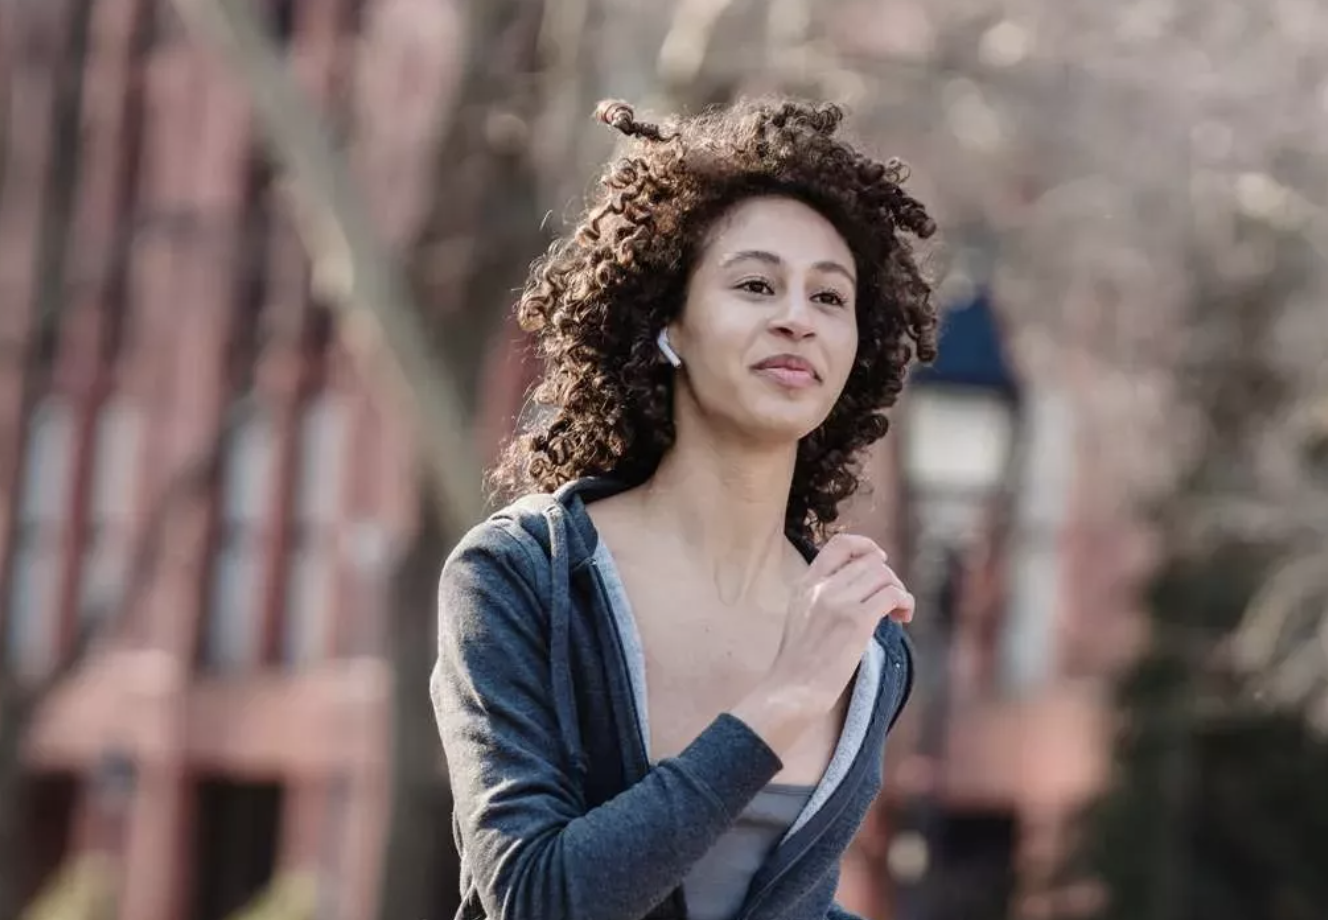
x=666, y=348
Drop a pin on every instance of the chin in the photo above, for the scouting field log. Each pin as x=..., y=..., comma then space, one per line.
x=758, y=418
x=786, y=427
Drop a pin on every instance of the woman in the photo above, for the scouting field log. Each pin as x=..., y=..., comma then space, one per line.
x=663, y=687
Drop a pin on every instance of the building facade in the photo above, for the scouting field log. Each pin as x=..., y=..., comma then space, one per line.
x=188, y=453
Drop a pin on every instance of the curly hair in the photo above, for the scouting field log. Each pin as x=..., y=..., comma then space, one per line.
x=597, y=299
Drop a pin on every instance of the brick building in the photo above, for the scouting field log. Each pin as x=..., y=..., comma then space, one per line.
x=170, y=381
x=185, y=392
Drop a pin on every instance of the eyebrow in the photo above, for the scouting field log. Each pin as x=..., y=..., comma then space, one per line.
x=761, y=255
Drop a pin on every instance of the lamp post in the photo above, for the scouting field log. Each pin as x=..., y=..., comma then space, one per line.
x=960, y=420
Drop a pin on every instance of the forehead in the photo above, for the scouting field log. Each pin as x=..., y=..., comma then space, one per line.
x=794, y=231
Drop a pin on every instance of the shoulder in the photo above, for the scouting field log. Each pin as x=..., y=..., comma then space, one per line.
x=516, y=535
x=492, y=594
x=504, y=558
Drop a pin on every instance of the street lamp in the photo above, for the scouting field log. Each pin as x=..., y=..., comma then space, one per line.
x=957, y=451
x=960, y=423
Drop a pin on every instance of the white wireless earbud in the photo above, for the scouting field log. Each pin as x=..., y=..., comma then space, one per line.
x=662, y=340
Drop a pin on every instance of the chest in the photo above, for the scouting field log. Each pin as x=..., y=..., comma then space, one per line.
x=703, y=657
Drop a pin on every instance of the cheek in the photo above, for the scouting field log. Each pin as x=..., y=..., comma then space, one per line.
x=844, y=350
x=721, y=342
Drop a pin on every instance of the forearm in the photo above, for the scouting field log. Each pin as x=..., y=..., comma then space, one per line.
x=781, y=713
x=623, y=858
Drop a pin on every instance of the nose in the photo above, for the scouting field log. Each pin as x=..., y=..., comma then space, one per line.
x=794, y=320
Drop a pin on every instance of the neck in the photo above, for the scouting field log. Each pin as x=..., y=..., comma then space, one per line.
x=726, y=504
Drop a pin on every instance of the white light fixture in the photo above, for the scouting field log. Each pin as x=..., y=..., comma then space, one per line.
x=958, y=442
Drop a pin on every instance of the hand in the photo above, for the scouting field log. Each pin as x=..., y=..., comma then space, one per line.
x=844, y=594
x=841, y=598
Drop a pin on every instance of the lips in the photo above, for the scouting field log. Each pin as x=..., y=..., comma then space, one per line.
x=789, y=370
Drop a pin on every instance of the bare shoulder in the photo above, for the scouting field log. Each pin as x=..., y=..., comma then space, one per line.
x=616, y=518
x=618, y=522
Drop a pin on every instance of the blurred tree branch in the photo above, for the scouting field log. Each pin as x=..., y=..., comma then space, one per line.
x=686, y=46
x=481, y=226
x=383, y=321
x=351, y=266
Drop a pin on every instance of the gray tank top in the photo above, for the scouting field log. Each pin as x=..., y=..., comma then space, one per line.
x=717, y=885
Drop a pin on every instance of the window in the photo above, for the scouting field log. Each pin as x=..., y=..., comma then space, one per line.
x=230, y=638
x=42, y=511
x=310, y=587
x=308, y=600
x=107, y=550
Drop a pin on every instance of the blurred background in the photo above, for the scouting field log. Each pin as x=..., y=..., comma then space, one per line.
x=256, y=265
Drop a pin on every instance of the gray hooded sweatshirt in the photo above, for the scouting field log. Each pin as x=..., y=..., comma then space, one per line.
x=539, y=697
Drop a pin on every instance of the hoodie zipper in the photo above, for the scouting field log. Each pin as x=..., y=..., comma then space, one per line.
x=785, y=856
x=787, y=859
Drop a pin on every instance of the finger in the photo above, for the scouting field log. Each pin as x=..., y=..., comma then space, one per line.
x=839, y=550
x=894, y=578
x=862, y=578
x=867, y=572
x=894, y=602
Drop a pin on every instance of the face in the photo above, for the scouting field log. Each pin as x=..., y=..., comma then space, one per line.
x=768, y=332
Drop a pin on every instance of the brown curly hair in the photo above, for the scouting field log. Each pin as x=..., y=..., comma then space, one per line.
x=599, y=297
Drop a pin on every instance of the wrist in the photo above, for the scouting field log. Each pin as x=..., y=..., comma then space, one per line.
x=780, y=712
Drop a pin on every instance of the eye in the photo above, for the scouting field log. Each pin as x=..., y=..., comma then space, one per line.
x=834, y=298
x=756, y=286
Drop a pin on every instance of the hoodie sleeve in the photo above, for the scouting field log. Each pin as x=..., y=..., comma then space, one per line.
x=533, y=849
